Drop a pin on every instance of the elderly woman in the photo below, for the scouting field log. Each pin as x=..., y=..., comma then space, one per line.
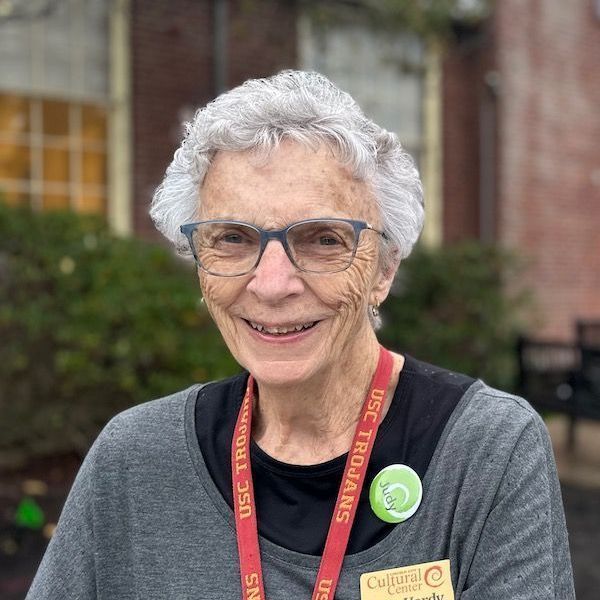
x=331, y=467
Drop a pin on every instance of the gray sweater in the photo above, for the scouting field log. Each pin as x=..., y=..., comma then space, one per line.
x=144, y=519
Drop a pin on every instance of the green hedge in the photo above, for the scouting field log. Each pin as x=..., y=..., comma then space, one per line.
x=90, y=324
x=460, y=307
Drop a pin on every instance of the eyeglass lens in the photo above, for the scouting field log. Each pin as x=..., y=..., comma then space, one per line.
x=230, y=249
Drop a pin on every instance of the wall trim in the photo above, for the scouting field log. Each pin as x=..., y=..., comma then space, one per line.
x=120, y=130
x=432, y=164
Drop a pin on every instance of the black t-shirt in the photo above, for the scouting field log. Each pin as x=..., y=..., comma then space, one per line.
x=295, y=503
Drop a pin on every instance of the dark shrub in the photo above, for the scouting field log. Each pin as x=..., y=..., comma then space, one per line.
x=91, y=324
x=459, y=307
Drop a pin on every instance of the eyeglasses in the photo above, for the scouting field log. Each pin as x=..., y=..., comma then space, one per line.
x=233, y=248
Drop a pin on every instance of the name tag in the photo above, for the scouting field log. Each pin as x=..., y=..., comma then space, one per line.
x=426, y=581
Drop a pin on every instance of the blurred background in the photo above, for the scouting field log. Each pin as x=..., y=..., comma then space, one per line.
x=497, y=101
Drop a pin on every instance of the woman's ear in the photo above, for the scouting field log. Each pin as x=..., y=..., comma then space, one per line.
x=384, y=280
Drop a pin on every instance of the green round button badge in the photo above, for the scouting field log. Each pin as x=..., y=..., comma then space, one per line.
x=396, y=493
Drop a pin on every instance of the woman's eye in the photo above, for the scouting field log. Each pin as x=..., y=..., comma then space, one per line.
x=232, y=238
x=328, y=240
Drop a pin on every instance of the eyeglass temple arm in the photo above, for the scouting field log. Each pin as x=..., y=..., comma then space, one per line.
x=382, y=233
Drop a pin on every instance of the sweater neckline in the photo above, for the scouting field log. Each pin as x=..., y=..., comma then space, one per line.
x=278, y=553
x=334, y=465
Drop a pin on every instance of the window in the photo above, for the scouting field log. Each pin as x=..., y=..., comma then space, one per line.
x=53, y=107
x=382, y=71
x=53, y=153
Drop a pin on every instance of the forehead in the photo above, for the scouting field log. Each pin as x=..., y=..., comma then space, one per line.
x=294, y=183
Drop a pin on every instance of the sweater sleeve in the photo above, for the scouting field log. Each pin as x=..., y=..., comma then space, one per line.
x=523, y=551
x=67, y=570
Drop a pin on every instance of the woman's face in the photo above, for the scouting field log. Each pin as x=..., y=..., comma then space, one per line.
x=296, y=183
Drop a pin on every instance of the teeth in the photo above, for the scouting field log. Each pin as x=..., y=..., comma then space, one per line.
x=280, y=330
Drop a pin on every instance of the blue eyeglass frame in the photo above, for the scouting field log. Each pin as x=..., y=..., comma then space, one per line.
x=266, y=235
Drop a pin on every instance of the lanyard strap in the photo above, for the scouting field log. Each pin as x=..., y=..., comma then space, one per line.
x=345, y=505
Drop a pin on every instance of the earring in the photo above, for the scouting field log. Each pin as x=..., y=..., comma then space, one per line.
x=375, y=309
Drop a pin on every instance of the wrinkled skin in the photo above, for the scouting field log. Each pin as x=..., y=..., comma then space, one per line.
x=341, y=351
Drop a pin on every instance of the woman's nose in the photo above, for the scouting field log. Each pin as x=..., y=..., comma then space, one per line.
x=275, y=277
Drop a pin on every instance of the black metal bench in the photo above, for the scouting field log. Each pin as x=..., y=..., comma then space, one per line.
x=561, y=377
x=587, y=377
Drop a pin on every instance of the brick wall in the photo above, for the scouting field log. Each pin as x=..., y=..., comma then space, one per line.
x=172, y=73
x=549, y=141
x=463, y=73
x=171, y=52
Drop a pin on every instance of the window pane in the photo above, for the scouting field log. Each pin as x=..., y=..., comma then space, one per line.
x=55, y=201
x=56, y=49
x=56, y=117
x=95, y=53
x=63, y=52
x=14, y=115
x=91, y=203
x=94, y=168
x=56, y=164
x=15, y=51
x=94, y=124
x=14, y=161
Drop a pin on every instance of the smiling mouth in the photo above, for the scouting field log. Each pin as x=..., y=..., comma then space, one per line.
x=282, y=329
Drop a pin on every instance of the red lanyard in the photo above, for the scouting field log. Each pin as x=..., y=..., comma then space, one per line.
x=345, y=505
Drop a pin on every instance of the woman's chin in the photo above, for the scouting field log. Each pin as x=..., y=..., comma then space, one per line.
x=282, y=373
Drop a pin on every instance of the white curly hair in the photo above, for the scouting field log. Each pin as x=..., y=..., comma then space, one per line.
x=308, y=108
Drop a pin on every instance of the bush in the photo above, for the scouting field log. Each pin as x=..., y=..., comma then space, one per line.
x=459, y=307
x=90, y=324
